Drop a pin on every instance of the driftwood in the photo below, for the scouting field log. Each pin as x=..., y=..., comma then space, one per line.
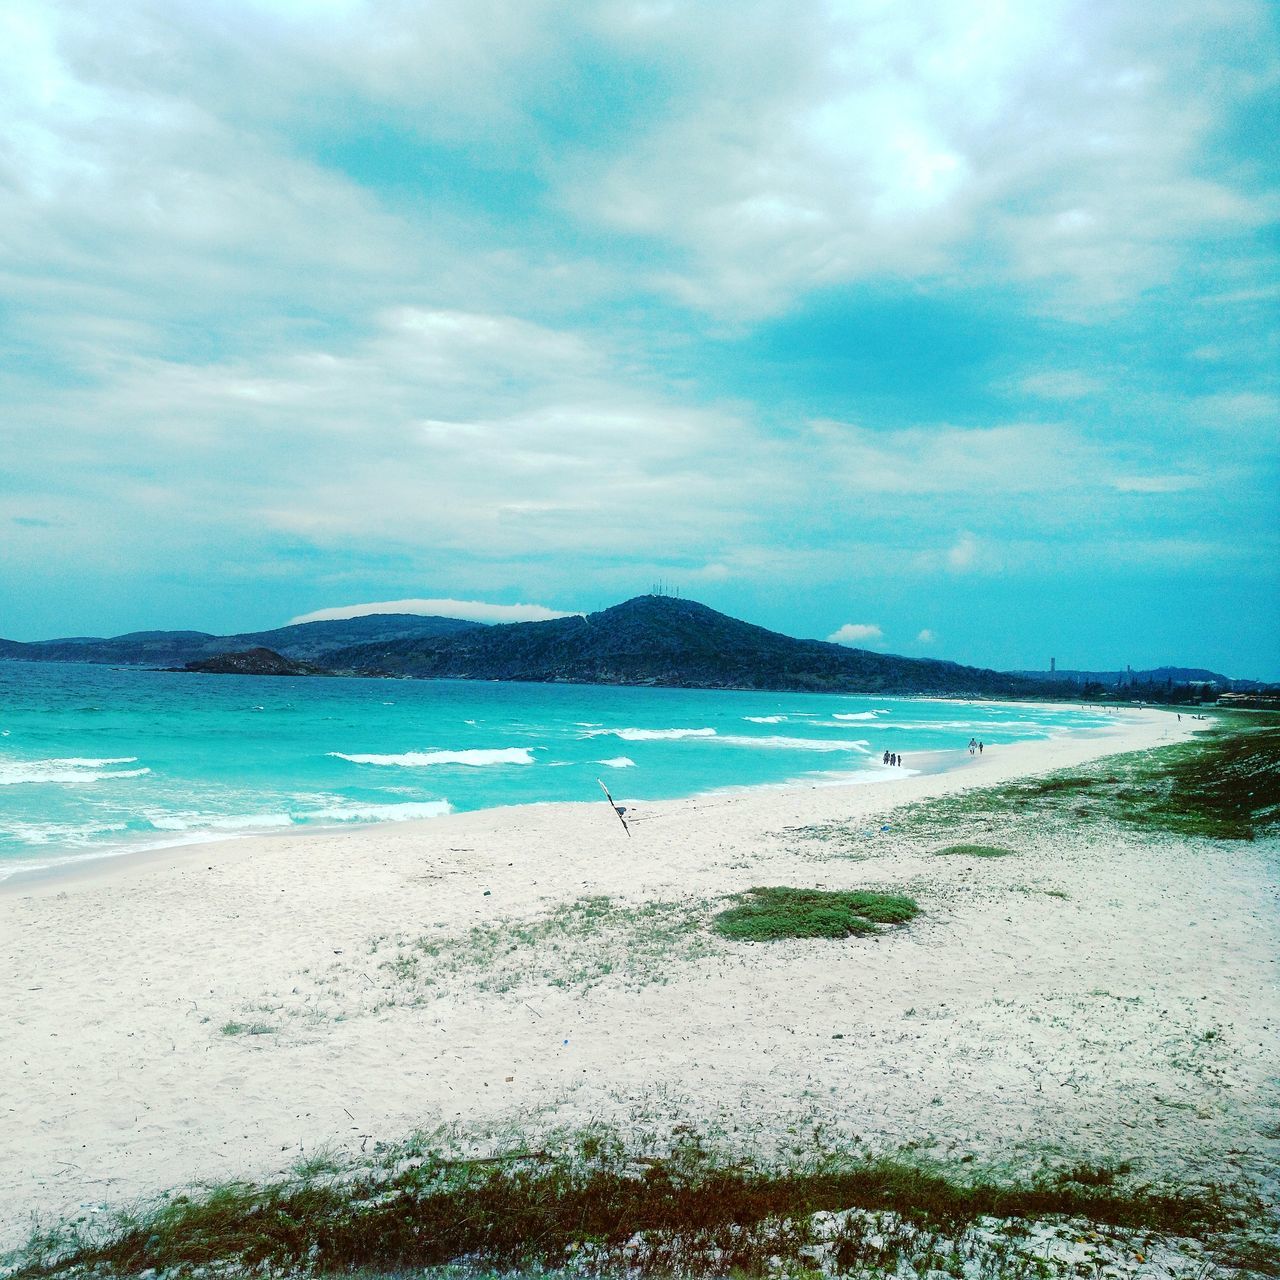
x=617, y=808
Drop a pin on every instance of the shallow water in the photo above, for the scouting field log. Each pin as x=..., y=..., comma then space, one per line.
x=95, y=760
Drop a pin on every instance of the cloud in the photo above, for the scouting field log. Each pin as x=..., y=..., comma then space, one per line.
x=1060, y=384
x=469, y=610
x=857, y=634
x=963, y=554
x=926, y=637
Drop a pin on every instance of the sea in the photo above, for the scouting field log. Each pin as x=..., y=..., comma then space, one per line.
x=97, y=761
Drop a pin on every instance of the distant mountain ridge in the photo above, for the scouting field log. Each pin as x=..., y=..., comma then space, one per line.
x=650, y=640
x=301, y=641
x=659, y=640
x=1151, y=676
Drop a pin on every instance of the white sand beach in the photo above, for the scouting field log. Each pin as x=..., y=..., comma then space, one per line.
x=224, y=1011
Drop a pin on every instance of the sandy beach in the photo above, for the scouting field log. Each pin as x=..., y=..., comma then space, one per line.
x=228, y=1010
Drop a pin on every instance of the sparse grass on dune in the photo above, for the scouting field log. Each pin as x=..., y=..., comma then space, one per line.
x=974, y=851
x=599, y=1205
x=768, y=914
x=1223, y=785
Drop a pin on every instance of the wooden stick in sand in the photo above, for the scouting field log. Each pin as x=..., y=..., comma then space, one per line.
x=617, y=808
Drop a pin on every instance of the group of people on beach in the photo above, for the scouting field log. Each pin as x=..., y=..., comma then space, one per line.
x=892, y=757
x=975, y=745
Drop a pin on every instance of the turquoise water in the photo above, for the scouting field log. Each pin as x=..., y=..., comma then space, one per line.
x=95, y=760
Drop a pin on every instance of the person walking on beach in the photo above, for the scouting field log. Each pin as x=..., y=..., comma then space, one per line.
x=972, y=743
x=979, y=748
x=886, y=755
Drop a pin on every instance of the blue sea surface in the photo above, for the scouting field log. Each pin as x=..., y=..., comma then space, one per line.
x=97, y=760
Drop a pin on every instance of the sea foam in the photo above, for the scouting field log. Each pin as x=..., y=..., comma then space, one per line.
x=72, y=769
x=424, y=759
x=651, y=735
x=796, y=744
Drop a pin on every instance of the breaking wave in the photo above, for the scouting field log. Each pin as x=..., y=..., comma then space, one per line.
x=73, y=769
x=797, y=744
x=651, y=735
x=423, y=759
x=618, y=762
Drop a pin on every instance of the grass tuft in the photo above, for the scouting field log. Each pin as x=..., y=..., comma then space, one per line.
x=246, y=1028
x=768, y=914
x=975, y=851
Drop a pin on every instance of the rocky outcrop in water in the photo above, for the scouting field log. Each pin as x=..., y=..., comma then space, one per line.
x=254, y=662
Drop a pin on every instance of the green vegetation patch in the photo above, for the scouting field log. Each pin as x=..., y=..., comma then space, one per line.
x=975, y=851
x=1223, y=785
x=246, y=1028
x=684, y=1210
x=768, y=914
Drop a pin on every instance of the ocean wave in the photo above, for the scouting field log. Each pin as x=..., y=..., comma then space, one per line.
x=68, y=769
x=765, y=719
x=423, y=759
x=59, y=833
x=651, y=735
x=797, y=744
x=217, y=822
x=854, y=715
x=618, y=762
x=380, y=812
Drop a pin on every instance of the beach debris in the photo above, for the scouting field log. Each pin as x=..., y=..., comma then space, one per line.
x=619, y=809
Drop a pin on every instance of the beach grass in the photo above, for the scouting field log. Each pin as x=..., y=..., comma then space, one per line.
x=577, y=945
x=974, y=851
x=1224, y=784
x=597, y=1206
x=770, y=914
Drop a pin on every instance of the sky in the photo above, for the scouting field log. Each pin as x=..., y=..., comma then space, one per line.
x=944, y=330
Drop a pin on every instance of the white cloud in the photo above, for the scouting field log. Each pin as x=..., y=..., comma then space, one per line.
x=963, y=554
x=857, y=634
x=868, y=140
x=926, y=636
x=1060, y=384
x=469, y=610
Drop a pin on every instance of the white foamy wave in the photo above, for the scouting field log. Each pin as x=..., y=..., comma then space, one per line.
x=618, y=762
x=765, y=719
x=218, y=821
x=380, y=812
x=862, y=777
x=60, y=833
x=651, y=735
x=69, y=769
x=797, y=744
x=424, y=759
x=854, y=715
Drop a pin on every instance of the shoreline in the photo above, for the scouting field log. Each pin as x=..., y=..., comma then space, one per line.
x=96, y=864
x=193, y=1018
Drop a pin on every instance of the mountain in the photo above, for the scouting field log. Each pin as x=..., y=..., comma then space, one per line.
x=303, y=641
x=658, y=640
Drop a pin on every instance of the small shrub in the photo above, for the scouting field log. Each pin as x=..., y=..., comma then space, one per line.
x=975, y=851
x=767, y=914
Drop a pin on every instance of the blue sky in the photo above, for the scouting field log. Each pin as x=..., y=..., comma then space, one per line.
x=950, y=329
